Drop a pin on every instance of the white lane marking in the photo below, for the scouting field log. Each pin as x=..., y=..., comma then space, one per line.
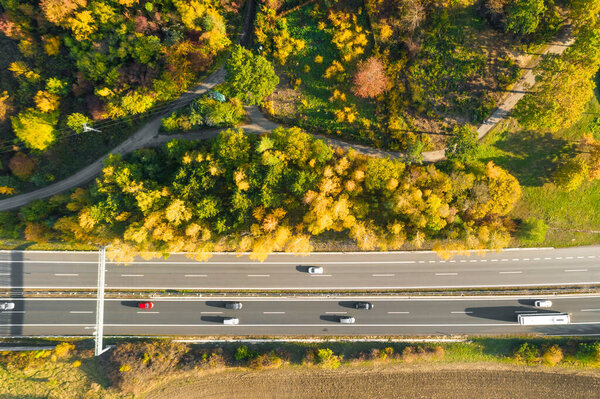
x=558, y=257
x=590, y=310
x=452, y=261
x=431, y=261
x=473, y=261
x=446, y=274
x=4, y=274
x=80, y=311
x=211, y=312
x=494, y=260
x=195, y=275
x=259, y=275
x=132, y=275
x=421, y=261
x=273, y=312
x=66, y=274
x=569, y=257
x=504, y=260
x=581, y=257
x=320, y=275
x=12, y=311
x=336, y=312
x=483, y=260
x=576, y=270
x=525, y=258
x=398, y=312
x=516, y=259
x=516, y=272
x=383, y=275
x=442, y=261
x=547, y=258
x=144, y=312
x=536, y=258
x=463, y=312
x=591, y=256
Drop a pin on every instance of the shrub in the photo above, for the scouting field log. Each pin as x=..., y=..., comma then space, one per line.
x=533, y=231
x=21, y=166
x=527, y=353
x=243, y=353
x=589, y=352
x=63, y=349
x=463, y=144
x=370, y=79
x=266, y=360
x=553, y=355
x=327, y=359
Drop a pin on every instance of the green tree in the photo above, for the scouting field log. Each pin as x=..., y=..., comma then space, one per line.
x=249, y=77
x=75, y=122
x=463, y=144
x=35, y=128
x=523, y=16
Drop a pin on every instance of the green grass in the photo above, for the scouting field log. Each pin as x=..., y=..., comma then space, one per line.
x=532, y=157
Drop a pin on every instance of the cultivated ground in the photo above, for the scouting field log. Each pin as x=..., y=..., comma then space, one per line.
x=476, y=380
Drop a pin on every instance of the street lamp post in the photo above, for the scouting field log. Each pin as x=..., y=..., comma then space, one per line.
x=100, y=303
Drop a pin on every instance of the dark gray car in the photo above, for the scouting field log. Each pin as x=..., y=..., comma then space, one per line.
x=233, y=305
x=363, y=305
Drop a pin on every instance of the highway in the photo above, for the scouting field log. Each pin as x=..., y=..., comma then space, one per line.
x=377, y=270
x=297, y=316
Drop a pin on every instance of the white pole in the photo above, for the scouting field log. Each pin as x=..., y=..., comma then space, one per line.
x=100, y=302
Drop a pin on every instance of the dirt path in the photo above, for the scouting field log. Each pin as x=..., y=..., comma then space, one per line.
x=446, y=381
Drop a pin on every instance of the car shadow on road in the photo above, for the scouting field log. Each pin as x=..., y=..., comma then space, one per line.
x=330, y=318
x=216, y=304
x=213, y=319
x=302, y=269
x=348, y=304
x=130, y=304
x=503, y=313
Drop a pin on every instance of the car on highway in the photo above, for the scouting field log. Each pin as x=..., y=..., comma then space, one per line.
x=363, y=305
x=231, y=320
x=347, y=320
x=315, y=270
x=145, y=305
x=543, y=303
x=7, y=305
x=233, y=305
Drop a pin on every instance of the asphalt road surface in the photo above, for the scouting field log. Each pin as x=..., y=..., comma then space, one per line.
x=297, y=316
x=378, y=270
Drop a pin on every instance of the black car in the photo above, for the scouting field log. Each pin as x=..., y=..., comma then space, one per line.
x=363, y=305
x=233, y=305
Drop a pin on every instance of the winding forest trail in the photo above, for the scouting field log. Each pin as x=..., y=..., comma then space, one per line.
x=148, y=134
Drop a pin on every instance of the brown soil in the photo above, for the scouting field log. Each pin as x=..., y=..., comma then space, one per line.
x=462, y=381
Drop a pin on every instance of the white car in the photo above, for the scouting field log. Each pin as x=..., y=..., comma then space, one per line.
x=231, y=320
x=315, y=270
x=347, y=320
x=7, y=306
x=543, y=303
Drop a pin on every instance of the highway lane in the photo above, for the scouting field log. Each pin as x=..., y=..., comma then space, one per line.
x=376, y=270
x=298, y=316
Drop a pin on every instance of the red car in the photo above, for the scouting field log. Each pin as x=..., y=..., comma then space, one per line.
x=145, y=305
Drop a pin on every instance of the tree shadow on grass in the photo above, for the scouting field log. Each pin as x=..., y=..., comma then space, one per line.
x=529, y=156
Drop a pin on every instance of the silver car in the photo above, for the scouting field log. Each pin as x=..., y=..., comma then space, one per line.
x=7, y=305
x=233, y=305
x=231, y=320
x=543, y=303
x=347, y=320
